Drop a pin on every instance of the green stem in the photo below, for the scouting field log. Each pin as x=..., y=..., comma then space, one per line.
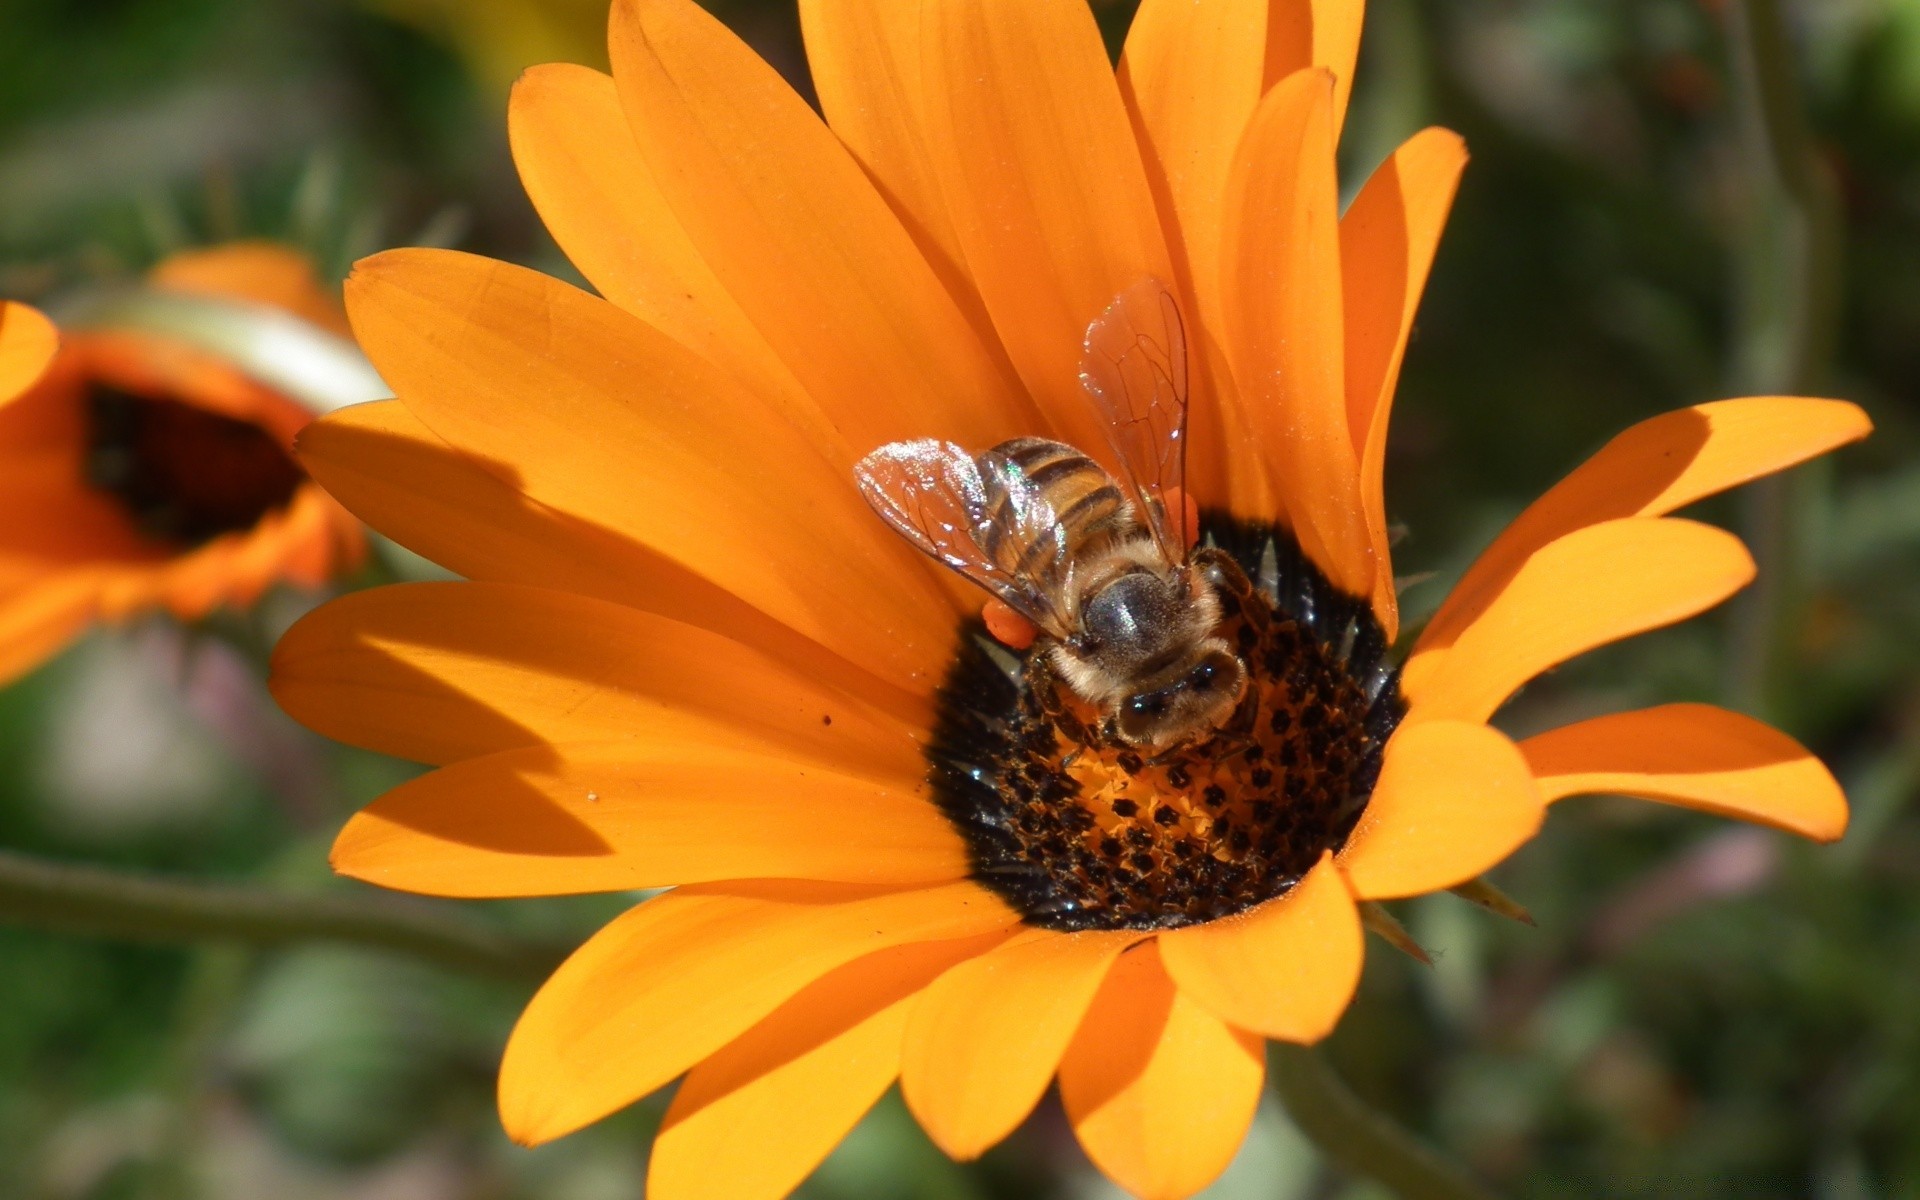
x=1356, y=1136
x=119, y=904
x=1789, y=312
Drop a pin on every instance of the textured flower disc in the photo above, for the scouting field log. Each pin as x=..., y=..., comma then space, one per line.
x=1080, y=831
x=184, y=475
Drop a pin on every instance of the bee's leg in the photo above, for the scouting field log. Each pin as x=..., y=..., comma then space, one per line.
x=1073, y=728
x=1229, y=581
x=1241, y=724
x=1223, y=571
x=1236, y=736
x=1049, y=693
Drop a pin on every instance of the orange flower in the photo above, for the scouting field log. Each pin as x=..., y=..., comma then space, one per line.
x=148, y=471
x=689, y=655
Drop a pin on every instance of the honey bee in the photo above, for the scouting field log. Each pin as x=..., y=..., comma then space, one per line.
x=1127, y=610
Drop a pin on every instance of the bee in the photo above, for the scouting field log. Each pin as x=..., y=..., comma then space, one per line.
x=1127, y=610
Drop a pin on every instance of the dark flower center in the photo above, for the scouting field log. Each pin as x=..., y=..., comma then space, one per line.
x=184, y=475
x=1080, y=831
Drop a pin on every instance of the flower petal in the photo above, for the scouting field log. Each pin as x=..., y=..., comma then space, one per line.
x=256, y=271
x=1656, y=467
x=1284, y=322
x=27, y=343
x=438, y=672
x=986, y=1037
x=1591, y=587
x=1454, y=799
x=602, y=203
x=678, y=977
x=1042, y=180
x=43, y=448
x=633, y=432
x=791, y=226
x=409, y=483
x=1160, y=1091
x=1387, y=240
x=1695, y=756
x=754, y=1120
x=1333, y=41
x=1190, y=77
x=865, y=58
x=608, y=817
x=406, y=481
x=1285, y=969
x=36, y=622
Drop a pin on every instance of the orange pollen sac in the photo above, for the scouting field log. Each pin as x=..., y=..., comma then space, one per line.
x=1079, y=830
x=183, y=474
x=1008, y=627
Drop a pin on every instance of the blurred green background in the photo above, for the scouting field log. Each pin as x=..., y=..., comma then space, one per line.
x=1704, y=1009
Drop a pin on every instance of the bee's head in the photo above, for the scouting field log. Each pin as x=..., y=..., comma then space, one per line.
x=1148, y=656
x=1197, y=699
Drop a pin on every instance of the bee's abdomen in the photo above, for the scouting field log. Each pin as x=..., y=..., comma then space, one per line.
x=1087, y=507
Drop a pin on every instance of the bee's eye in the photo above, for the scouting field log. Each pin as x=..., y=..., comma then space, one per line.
x=1202, y=677
x=1147, y=704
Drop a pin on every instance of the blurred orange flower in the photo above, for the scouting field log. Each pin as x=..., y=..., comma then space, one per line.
x=688, y=655
x=147, y=472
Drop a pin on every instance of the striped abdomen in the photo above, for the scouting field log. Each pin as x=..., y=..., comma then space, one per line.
x=1047, y=506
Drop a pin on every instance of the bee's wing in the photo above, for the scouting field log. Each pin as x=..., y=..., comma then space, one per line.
x=933, y=493
x=1134, y=367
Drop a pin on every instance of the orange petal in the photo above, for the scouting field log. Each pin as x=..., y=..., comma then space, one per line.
x=796, y=232
x=608, y=817
x=865, y=56
x=1387, y=240
x=27, y=343
x=1192, y=74
x=404, y=480
x=1656, y=467
x=1333, y=41
x=1285, y=969
x=323, y=538
x=154, y=364
x=1593, y=586
x=1284, y=322
x=602, y=203
x=1695, y=756
x=437, y=672
x=1043, y=183
x=1159, y=1089
x=754, y=1120
x=986, y=1037
x=1190, y=78
x=633, y=432
x=37, y=622
x=257, y=271
x=680, y=976
x=1454, y=799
